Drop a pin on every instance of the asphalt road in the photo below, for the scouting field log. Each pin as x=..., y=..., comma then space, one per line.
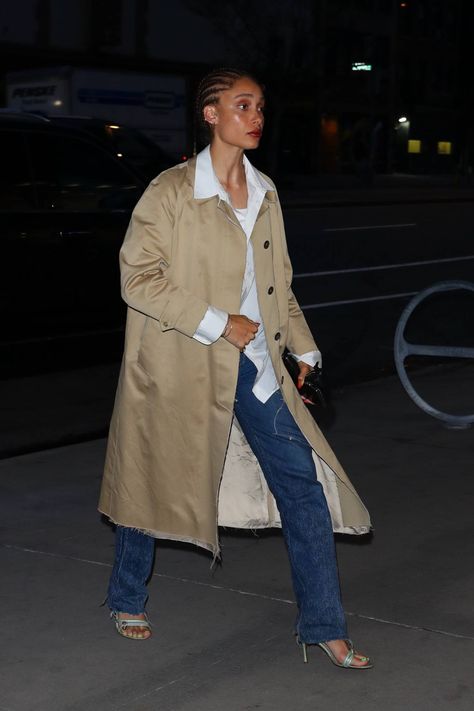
x=358, y=258
x=357, y=266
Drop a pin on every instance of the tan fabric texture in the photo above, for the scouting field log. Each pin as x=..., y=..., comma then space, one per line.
x=173, y=438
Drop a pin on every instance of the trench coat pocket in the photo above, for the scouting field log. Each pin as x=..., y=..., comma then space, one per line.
x=144, y=347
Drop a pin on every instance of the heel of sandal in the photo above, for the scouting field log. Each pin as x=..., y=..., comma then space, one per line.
x=303, y=645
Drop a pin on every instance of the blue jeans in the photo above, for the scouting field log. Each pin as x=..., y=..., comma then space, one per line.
x=287, y=463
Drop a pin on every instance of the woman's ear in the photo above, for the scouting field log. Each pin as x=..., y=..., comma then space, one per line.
x=210, y=114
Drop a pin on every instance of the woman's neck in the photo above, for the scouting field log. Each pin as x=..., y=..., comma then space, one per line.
x=228, y=165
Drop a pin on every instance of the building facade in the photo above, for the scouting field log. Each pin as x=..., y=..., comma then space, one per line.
x=372, y=85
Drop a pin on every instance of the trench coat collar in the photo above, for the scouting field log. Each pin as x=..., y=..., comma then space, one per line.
x=206, y=184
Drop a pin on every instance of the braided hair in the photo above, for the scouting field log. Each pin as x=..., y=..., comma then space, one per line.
x=208, y=91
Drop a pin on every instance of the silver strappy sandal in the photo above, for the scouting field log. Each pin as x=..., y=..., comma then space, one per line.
x=121, y=624
x=348, y=659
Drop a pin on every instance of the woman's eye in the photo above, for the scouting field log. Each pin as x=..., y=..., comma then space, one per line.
x=243, y=106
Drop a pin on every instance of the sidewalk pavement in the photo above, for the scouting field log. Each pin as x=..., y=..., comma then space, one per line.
x=223, y=638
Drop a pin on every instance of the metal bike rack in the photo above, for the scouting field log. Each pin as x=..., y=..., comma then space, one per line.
x=402, y=349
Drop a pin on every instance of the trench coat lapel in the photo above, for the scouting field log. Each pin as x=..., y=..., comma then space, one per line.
x=269, y=199
x=230, y=214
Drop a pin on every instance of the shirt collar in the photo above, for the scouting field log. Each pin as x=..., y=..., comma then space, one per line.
x=207, y=185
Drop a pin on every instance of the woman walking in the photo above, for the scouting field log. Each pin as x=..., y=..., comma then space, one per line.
x=206, y=421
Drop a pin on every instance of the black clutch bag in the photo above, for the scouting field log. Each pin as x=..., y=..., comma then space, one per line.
x=312, y=390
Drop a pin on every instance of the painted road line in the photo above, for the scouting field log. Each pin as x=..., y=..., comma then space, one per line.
x=369, y=227
x=385, y=297
x=402, y=265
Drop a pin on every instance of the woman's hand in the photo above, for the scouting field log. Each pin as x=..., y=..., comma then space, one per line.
x=240, y=330
x=305, y=369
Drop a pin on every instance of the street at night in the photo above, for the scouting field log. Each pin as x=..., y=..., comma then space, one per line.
x=236, y=355
x=358, y=257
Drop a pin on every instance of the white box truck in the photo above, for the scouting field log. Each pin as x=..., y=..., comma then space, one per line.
x=153, y=103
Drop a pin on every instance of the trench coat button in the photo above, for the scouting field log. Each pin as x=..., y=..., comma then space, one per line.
x=266, y=244
x=277, y=336
x=270, y=290
x=165, y=324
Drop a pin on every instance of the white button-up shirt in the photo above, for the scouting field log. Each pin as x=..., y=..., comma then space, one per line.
x=207, y=185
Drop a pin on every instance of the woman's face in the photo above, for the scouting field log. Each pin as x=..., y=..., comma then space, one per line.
x=237, y=119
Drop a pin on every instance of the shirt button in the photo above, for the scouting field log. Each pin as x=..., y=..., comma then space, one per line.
x=266, y=244
x=270, y=290
x=277, y=336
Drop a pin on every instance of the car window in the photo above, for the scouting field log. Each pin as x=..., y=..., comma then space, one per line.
x=72, y=174
x=16, y=188
x=145, y=156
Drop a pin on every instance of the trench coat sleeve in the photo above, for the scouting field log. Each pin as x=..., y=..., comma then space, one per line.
x=300, y=339
x=145, y=260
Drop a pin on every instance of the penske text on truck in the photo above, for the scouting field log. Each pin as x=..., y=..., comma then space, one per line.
x=153, y=103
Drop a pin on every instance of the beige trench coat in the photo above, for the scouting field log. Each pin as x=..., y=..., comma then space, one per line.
x=177, y=464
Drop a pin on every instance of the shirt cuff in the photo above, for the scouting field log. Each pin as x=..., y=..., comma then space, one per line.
x=311, y=358
x=211, y=326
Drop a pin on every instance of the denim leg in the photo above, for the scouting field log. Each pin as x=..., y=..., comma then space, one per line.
x=134, y=553
x=287, y=463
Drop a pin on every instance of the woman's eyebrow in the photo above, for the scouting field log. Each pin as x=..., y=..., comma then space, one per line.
x=251, y=96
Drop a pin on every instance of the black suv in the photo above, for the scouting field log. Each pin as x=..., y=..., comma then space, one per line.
x=67, y=188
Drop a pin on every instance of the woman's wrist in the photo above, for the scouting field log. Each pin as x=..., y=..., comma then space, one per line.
x=227, y=329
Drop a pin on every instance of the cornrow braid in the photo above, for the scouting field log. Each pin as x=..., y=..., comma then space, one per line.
x=209, y=89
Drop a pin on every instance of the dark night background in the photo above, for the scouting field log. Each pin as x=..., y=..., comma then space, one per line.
x=370, y=138
x=326, y=117
x=369, y=135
